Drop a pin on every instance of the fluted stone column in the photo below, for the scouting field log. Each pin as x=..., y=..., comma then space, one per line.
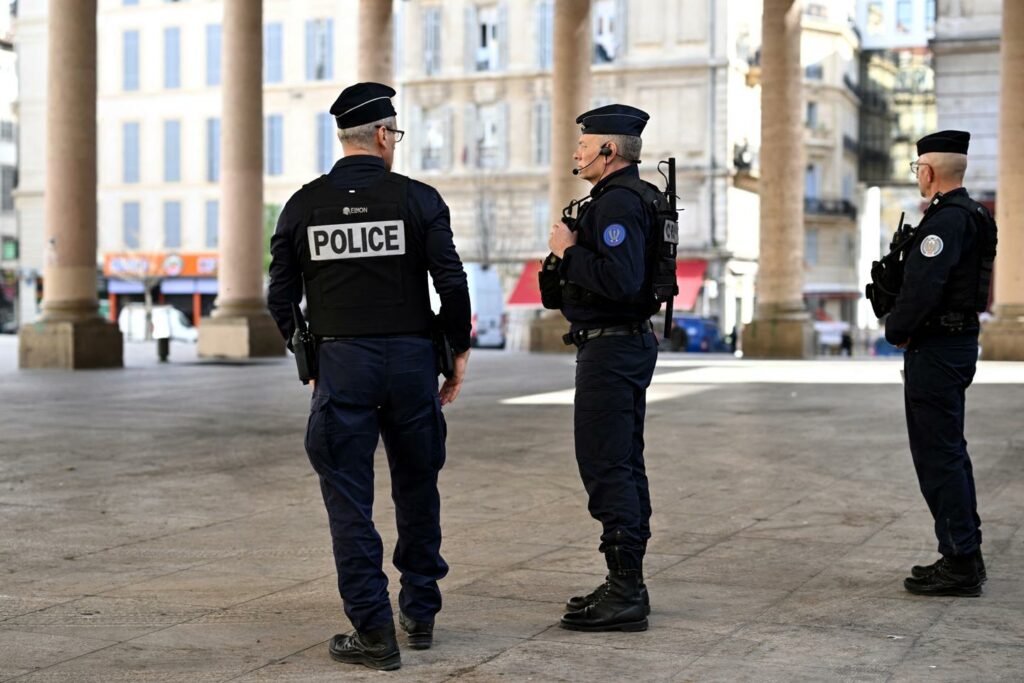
x=240, y=326
x=70, y=334
x=781, y=326
x=375, y=38
x=570, y=97
x=1003, y=337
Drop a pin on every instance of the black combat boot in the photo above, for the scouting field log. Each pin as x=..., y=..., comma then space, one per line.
x=618, y=604
x=953, y=575
x=421, y=633
x=578, y=602
x=377, y=649
x=921, y=571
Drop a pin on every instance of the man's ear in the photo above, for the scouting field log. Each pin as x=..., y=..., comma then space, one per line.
x=382, y=136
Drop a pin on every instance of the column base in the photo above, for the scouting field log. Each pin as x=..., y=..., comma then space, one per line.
x=772, y=338
x=249, y=336
x=1003, y=339
x=70, y=345
x=546, y=334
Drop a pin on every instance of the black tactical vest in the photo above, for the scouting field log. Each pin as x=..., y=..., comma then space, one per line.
x=363, y=262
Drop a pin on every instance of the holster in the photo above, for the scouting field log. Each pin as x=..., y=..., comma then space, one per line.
x=304, y=346
x=443, y=351
x=550, y=283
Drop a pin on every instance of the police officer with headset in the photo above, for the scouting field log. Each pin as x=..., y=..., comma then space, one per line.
x=946, y=280
x=359, y=243
x=605, y=267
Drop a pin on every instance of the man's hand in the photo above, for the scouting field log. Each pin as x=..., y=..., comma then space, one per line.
x=451, y=387
x=561, y=239
x=312, y=384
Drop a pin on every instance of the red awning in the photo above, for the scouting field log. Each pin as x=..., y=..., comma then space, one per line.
x=689, y=276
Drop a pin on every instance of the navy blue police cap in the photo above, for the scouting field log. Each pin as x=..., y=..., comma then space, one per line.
x=363, y=103
x=948, y=141
x=613, y=119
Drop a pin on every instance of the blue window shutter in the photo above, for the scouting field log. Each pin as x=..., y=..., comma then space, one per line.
x=274, y=144
x=325, y=142
x=172, y=225
x=310, y=50
x=272, y=54
x=130, y=145
x=131, y=225
x=213, y=38
x=172, y=151
x=212, y=223
x=329, y=49
x=212, y=150
x=130, y=2
x=172, y=57
x=130, y=77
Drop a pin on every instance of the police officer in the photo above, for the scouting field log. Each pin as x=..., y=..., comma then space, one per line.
x=935, y=319
x=359, y=243
x=605, y=263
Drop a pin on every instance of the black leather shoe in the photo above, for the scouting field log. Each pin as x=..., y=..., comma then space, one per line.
x=921, y=571
x=421, y=633
x=617, y=608
x=958, y=579
x=376, y=649
x=578, y=602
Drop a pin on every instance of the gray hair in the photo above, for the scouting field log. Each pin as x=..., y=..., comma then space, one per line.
x=629, y=146
x=362, y=136
x=947, y=166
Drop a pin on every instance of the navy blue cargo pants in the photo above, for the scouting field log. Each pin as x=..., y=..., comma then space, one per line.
x=367, y=388
x=937, y=372
x=612, y=376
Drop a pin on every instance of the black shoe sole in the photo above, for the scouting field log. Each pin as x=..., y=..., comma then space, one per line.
x=570, y=608
x=949, y=591
x=923, y=573
x=629, y=626
x=387, y=664
x=420, y=642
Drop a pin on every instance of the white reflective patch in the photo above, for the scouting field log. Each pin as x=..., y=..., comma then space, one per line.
x=356, y=240
x=931, y=246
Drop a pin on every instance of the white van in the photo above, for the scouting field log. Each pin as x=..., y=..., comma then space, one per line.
x=168, y=323
x=487, y=302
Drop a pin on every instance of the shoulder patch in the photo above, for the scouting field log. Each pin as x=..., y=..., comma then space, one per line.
x=931, y=246
x=614, y=234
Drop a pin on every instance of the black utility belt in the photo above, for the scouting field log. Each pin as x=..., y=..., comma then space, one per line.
x=357, y=337
x=580, y=337
x=952, y=323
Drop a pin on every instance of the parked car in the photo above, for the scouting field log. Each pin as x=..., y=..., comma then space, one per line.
x=487, y=302
x=696, y=335
x=168, y=323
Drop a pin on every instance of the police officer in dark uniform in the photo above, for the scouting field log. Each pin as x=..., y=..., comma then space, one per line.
x=359, y=243
x=946, y=281
x=605, y=264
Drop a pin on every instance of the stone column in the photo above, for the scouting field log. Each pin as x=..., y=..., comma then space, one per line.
x=781, y=326
x=570, y=97
x=375, y=38
x=1003, y=337
x=240, y=326
x=70, y=334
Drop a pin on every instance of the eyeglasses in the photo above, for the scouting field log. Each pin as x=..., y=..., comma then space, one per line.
x=915, y=167
x=399, y=134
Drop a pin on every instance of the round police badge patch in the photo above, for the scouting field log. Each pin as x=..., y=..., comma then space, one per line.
x=931, y=246
x=614, y=235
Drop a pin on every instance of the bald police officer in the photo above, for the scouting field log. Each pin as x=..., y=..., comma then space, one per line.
x=946, y=282
x=359, y=243
x=606, y=265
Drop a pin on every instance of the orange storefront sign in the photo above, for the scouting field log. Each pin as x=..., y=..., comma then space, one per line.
x=148, y=264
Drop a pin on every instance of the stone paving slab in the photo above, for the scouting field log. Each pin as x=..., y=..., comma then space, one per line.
x=162, y=523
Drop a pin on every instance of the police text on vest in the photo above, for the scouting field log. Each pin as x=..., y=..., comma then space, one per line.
x=356, y=240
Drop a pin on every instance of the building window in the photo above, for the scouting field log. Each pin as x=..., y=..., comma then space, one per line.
x=129, y=2
x=130, y=149
x=325, y=136
x=8, y=181
x=131, y=216
x=7, y=129
x=172, y=151
x=904, y=16
x=213, y=40
x=492, y=135
x=431, y=40
x=212, y=223
x=172, y=225
x=812, y=181
x=212, y=150
x=130, y=61
x=487, y=39
x=606, y=31
x=435, y=152
x=545, y=33
x=876, y=18
x=541, y=221
x=274, y=144
x=812, y=115
x=273, y=43
x=929, y=15
x=542, y=133
x=319, y=49
x=814, y=72
x=172, y=57
x=811, y=246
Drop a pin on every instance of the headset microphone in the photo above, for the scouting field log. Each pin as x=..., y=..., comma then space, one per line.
x=605, y=151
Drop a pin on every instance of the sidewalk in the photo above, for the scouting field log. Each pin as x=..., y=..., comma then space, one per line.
x=162, y=523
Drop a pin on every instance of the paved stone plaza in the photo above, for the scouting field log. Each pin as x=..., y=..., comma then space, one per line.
x=162, y=523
